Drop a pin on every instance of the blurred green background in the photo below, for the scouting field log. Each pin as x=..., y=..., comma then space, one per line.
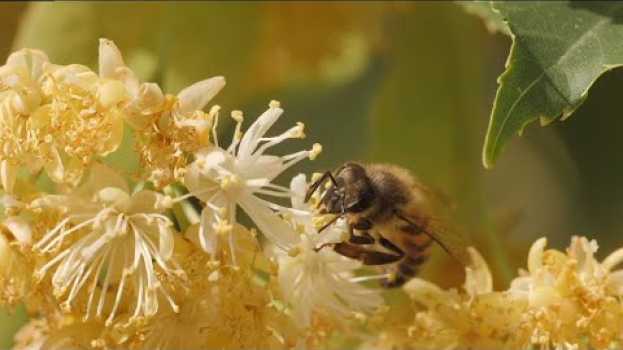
x=408, y=83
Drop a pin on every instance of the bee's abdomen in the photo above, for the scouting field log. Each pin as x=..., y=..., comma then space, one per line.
x=415, y=245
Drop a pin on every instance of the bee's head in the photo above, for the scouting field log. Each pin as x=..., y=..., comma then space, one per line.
x=352, y=193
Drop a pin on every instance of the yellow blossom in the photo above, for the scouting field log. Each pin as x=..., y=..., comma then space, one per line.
x=108, y=245
x=54, y=117
x=563, y=301
x=227, y=307
x=168, y=127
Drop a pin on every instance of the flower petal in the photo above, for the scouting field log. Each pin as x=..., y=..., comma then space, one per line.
x=165, y=241
x=54, y=165
x=535, y=255
x=110, y=59
x=20, y=228
x=298, y=187
x=145, y=202
x=615, y=282
x=77, y=75
x=202, y=173
x=100, y=177
x=613, y=260
x=197, y=96
x=264, y=167
x=425, y=293
x=478, y=278
x=208, y=240
x=33, y=60
x=8, y=173
x=270, y=224
x=252, y=136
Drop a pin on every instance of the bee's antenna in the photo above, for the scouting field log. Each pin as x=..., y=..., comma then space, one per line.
x=314, y=187
x=329, y=223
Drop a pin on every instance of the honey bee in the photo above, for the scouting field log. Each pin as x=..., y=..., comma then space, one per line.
x=389, y=215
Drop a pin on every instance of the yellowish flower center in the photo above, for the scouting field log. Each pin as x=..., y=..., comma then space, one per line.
x=231, y=183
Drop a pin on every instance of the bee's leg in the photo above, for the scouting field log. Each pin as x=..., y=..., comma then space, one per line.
x=316, y=185
x=367, y=257
x=362, y=238
x=391, y=246
x=362, y=225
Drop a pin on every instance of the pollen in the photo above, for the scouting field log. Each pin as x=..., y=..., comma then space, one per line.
x=315, y=151
x=223, y=228
x=294, y=252
x=274, y=104
x=230, y=183
x=237, y=116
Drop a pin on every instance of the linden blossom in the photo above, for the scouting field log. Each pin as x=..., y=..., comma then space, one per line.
x=118, y=238
x=169, y=127
x=122, y=274
x=563, y=301
x=51, y=116
x=227, y=178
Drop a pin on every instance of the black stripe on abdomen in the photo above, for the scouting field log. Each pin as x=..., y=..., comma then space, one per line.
x=406, y=269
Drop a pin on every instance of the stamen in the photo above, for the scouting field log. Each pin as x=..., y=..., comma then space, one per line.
x=108, y=236
x=51, y=233
x=293, y=158
x=202, y=231
x=120, y=288
x=294, y=132
x=85, y=277
x=139, y=302
x=194, y=194
x=214, y=111
x=238, y=117
x=76, y=284
x=93, y=286
x=273, y=193
x=370, y=278
x=281, y=208
x=104, y=290
x=42, y=271
x=232, y=250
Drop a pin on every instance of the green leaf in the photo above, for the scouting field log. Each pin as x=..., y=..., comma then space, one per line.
x=559, y=49
x=492, y=19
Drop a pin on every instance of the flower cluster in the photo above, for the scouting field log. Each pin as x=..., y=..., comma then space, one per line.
x=158, y=259
x=562, y=301
x=161, y=260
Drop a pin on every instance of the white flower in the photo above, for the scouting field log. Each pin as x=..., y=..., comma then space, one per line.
x=320, y=280
x=237, y=176
x=115, y=244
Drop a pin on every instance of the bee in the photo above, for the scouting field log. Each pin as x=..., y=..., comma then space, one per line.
x=389, y=215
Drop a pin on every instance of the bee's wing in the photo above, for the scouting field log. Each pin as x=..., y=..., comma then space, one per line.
x=434, y=196
x=451, y=240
